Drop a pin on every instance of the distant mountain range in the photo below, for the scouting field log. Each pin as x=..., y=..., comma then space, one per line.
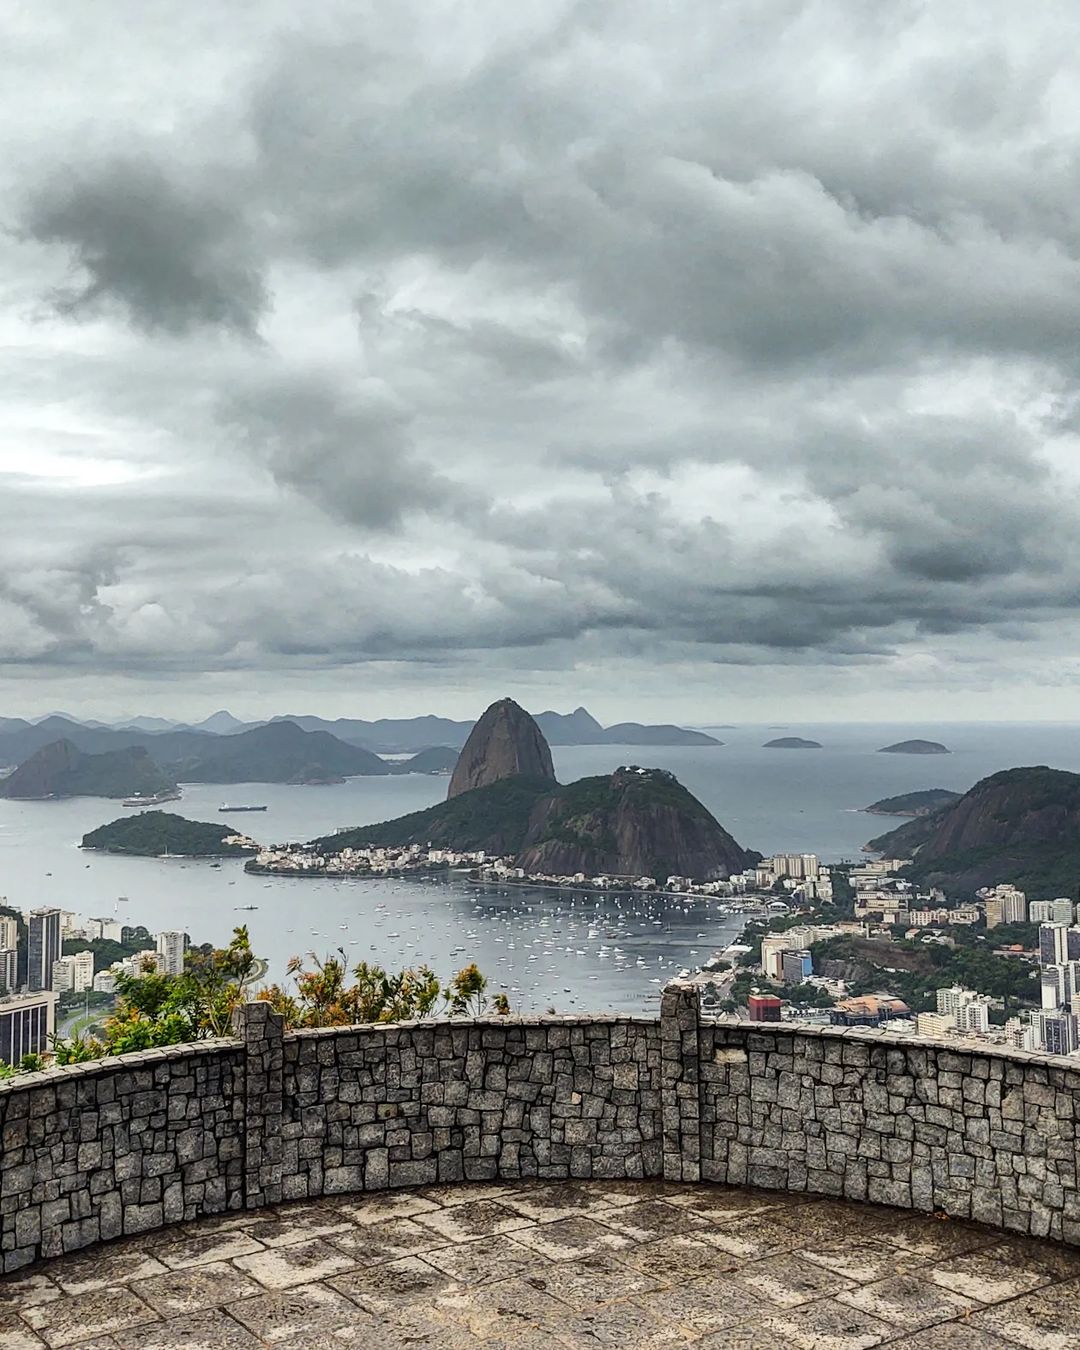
x=19, y=737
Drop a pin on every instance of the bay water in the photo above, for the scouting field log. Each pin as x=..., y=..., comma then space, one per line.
x=572, y=951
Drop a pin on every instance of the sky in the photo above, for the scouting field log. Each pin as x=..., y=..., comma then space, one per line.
x=703, y=362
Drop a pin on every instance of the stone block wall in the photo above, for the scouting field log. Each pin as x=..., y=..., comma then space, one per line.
x=126, y=1145
x=986, y=1134
x=119, y=1146
x=374, y=1107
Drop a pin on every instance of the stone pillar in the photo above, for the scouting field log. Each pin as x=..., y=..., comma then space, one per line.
x=262, y=1030
x=680, y=1082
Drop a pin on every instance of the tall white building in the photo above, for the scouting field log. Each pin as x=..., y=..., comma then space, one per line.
x=974, y=1015
x=111, y=929
x=1004, y=904
x=73, y=974
x=1051, y=911
x=9, y=967
x=171, y=946
x=9, y=932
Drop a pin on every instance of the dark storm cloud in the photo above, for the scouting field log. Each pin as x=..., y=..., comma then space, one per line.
x=595, y=337
x=172, y=257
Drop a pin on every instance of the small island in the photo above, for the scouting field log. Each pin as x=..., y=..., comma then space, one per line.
x=158, y=834
x=915, y=748
x=922, y=803
x=791, y=743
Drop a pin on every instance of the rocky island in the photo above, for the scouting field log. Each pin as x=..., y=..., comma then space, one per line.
x=1020, y=826
x=915, y=747
x=791, y=743
x=504, y=801
x=155, y=834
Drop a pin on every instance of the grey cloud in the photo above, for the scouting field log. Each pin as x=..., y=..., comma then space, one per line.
x=172, y=256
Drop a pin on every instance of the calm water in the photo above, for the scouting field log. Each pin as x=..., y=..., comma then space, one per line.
x=547, y=948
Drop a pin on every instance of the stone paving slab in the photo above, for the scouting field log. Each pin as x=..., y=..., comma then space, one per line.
x=555, y=1266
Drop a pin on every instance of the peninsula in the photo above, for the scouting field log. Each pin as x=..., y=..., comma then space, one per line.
x=505, y=803
x=921, y=803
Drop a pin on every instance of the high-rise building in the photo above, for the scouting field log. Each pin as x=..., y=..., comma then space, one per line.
x=1053, y=944
x=1059, y=1033
x=1052, y=987
x=974, y=1015
x=26, y=1023
x=43, y=947
x=796, y=966
x=1052, y=911
x=9, y=931
x=1004, y=904
x=111, y=929
x=1019, y=1034
x=9, y=969
x=171, y=946
x=73, y=974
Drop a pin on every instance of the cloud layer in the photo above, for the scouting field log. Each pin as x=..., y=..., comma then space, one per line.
x=417, y=354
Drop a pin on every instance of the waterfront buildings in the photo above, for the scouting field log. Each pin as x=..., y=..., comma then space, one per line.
x=43, y=947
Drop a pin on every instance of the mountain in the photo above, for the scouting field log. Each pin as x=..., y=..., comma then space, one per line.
x=149, y=834
x=436, y=759
x=577, y=728
x=635, y=733
x=222, y=723
x=60, y=769
x=504, y=799
x=278, y=752
x=915, y=748
x=390, y=735
x=791, y=743
x=140, y=724
x=505, y=743
x=923, y=803
x=635, y=822
x=1020, y=826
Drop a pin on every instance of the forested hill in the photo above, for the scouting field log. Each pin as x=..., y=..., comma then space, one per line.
x=150, y=834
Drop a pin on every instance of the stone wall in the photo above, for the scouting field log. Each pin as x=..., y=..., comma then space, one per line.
x=984, y=1134
x=119, y=1146
x=126, y=1145
x=412, y=1105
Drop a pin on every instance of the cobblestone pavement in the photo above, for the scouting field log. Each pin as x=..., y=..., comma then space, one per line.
x=566, y=1264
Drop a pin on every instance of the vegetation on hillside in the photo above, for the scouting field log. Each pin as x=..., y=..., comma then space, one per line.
x=914, y=803
x=914, y=971
x=149, y=834
x=494, y=817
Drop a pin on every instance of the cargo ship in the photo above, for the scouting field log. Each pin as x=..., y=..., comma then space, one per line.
x=224, y=807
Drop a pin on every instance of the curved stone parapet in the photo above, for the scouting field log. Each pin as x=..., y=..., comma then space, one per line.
x=125, y=1145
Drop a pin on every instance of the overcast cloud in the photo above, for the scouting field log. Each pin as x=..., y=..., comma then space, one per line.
x=707, y=361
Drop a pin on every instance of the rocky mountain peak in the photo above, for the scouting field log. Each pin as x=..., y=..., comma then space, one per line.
x=504, y=743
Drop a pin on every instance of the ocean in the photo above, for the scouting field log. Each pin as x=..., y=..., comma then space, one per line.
x=546, y=948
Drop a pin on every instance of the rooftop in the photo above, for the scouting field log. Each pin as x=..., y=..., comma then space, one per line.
x=561, y=1264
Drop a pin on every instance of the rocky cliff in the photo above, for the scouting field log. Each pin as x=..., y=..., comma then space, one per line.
x=61, y=770
x=1020, y=826
x=505, y=743
x=637, y=822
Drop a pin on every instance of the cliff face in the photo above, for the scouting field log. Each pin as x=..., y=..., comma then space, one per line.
x=61, y=770
x=638, y=822
x=1020, y=826
x=505, y=743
